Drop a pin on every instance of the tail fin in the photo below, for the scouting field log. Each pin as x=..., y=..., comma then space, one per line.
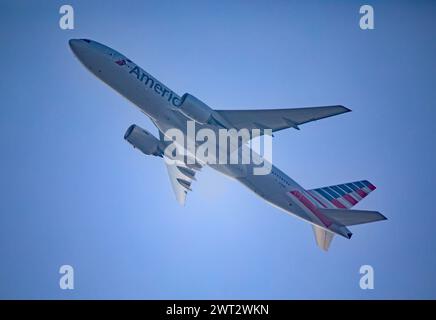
x=343, y=196
x=348, y=217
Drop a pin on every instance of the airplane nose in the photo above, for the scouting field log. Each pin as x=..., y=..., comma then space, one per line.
x=76, y=44
x=73, y=43
x=81, y=48
x=88, y=53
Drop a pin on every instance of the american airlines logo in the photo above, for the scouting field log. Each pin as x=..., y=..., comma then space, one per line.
x=156, y=86
x=121, y=62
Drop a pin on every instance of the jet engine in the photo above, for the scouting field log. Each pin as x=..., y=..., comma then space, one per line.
x=143, y=140
x=200, y=112
x=195, y=109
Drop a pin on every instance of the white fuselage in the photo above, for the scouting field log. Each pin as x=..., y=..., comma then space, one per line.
x=160, y=104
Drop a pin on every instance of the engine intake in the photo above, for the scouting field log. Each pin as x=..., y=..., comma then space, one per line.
x=143, y=140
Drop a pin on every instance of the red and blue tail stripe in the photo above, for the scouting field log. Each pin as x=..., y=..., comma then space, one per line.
x=309, y=205
x=342, y=196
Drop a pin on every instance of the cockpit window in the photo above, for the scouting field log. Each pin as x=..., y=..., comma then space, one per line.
x=87, y=40
x=128, y=60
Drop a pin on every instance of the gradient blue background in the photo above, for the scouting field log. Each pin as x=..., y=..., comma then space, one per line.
x=74, y=192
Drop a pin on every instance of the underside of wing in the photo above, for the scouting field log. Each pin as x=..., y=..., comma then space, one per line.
x=278, y=119
x=181, y=176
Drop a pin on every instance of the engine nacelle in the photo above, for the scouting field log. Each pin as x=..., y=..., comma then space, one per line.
x=143, y=140
x=195, y=109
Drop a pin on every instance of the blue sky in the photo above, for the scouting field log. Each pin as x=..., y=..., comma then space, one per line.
x=74, y=192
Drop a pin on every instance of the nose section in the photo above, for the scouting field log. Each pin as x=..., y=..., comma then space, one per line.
x=76, y=45
x=93, y=55
x=73, y=43
x=84, y=51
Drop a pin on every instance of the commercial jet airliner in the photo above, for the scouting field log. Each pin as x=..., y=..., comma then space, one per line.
x=327, y=209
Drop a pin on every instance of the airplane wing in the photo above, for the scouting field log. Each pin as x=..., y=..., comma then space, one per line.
x=181, y=176
x=323, y=237
x=278, y=119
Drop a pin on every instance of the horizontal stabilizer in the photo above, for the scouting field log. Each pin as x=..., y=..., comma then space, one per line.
x=349, y=217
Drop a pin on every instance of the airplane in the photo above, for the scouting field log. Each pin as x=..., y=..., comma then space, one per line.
x=327, y=209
